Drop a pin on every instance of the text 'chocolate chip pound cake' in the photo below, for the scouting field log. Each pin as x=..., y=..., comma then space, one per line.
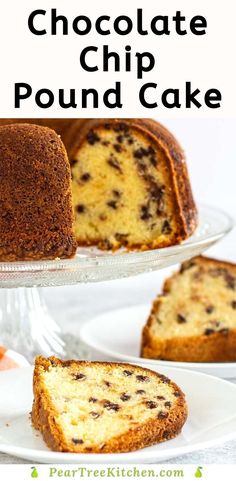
x=130, y=185
x=195, y=318
x=101, y=407
x=36, y=213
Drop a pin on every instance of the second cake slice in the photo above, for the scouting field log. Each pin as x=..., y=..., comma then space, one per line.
x=194, y=319
x=104, y=407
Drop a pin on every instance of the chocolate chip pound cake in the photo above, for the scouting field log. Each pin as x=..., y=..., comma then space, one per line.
x=194, y=320
x=99, y=407
x=36, y=216
x=130, y=185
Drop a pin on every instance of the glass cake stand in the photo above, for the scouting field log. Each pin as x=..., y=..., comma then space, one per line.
x=25, y=323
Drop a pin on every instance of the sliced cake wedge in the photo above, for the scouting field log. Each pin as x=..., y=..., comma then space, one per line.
x=130, y=185
x=99, y=407
x=194, y=319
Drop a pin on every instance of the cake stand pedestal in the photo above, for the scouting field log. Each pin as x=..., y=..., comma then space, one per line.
x=25, y=323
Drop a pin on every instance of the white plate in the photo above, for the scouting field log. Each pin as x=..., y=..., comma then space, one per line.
x=211, y=420
x=117, y=335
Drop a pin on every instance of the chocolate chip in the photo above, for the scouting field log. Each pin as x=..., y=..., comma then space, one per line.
x=105, y=143
x=181, y=319
x=92, y=399
x=111, y=406
x=120, y=138
x=92, y=137
x=79, y=376
x=176, y=393
x=113, y=162
x=121, y=237
x=106, y=244
x=145, y=214
x=186, y=265
x=125, y=397
x=116, y=193
x=127, y=373
x=167, y=404
x=164, y=379
x=117, y=148
x=122, y=127
x=140, y=153
x=162, y=415
x=108, y=384
x=166, y=228
x=141, y=167
x=230, y=281
x=208, y=332
x=224, y=330
x=151, y=150
x=94, y=414
x=156, y=192
x=153, y=161
x=233, y=304
x=80, y=208
x=85, y=177
x=130, y=141
x=209, y=309
x=112, y=204
x=151, y=404
x=142, y=378
x=161, y=398
x=103, y=217
x=140, y=391
x=77, y=441
x=73, y=162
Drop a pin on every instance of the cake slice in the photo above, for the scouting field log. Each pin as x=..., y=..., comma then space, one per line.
x=99, y=407
x=130, y=185
x=36, y=216
x=194, y=319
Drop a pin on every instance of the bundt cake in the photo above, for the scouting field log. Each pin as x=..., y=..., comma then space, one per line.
x=194, y=319
x=103, y=407
x=36, y=216
x=130, y=185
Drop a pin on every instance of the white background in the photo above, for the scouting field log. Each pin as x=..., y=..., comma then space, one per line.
x=53, y=61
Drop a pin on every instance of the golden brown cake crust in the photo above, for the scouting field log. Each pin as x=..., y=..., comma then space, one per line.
x=146, y=434
x=36, y=206
x=218, y=347
x=185, y=208
x=63, y=127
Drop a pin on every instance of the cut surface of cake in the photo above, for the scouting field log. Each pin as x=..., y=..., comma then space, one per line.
x=130, y=185
x=194, y=319
x=36, y=216
x=100, y=407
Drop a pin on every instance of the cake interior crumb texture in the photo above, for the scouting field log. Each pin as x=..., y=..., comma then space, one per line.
x=124, y=188
x=195, y=317
x=104, y=407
